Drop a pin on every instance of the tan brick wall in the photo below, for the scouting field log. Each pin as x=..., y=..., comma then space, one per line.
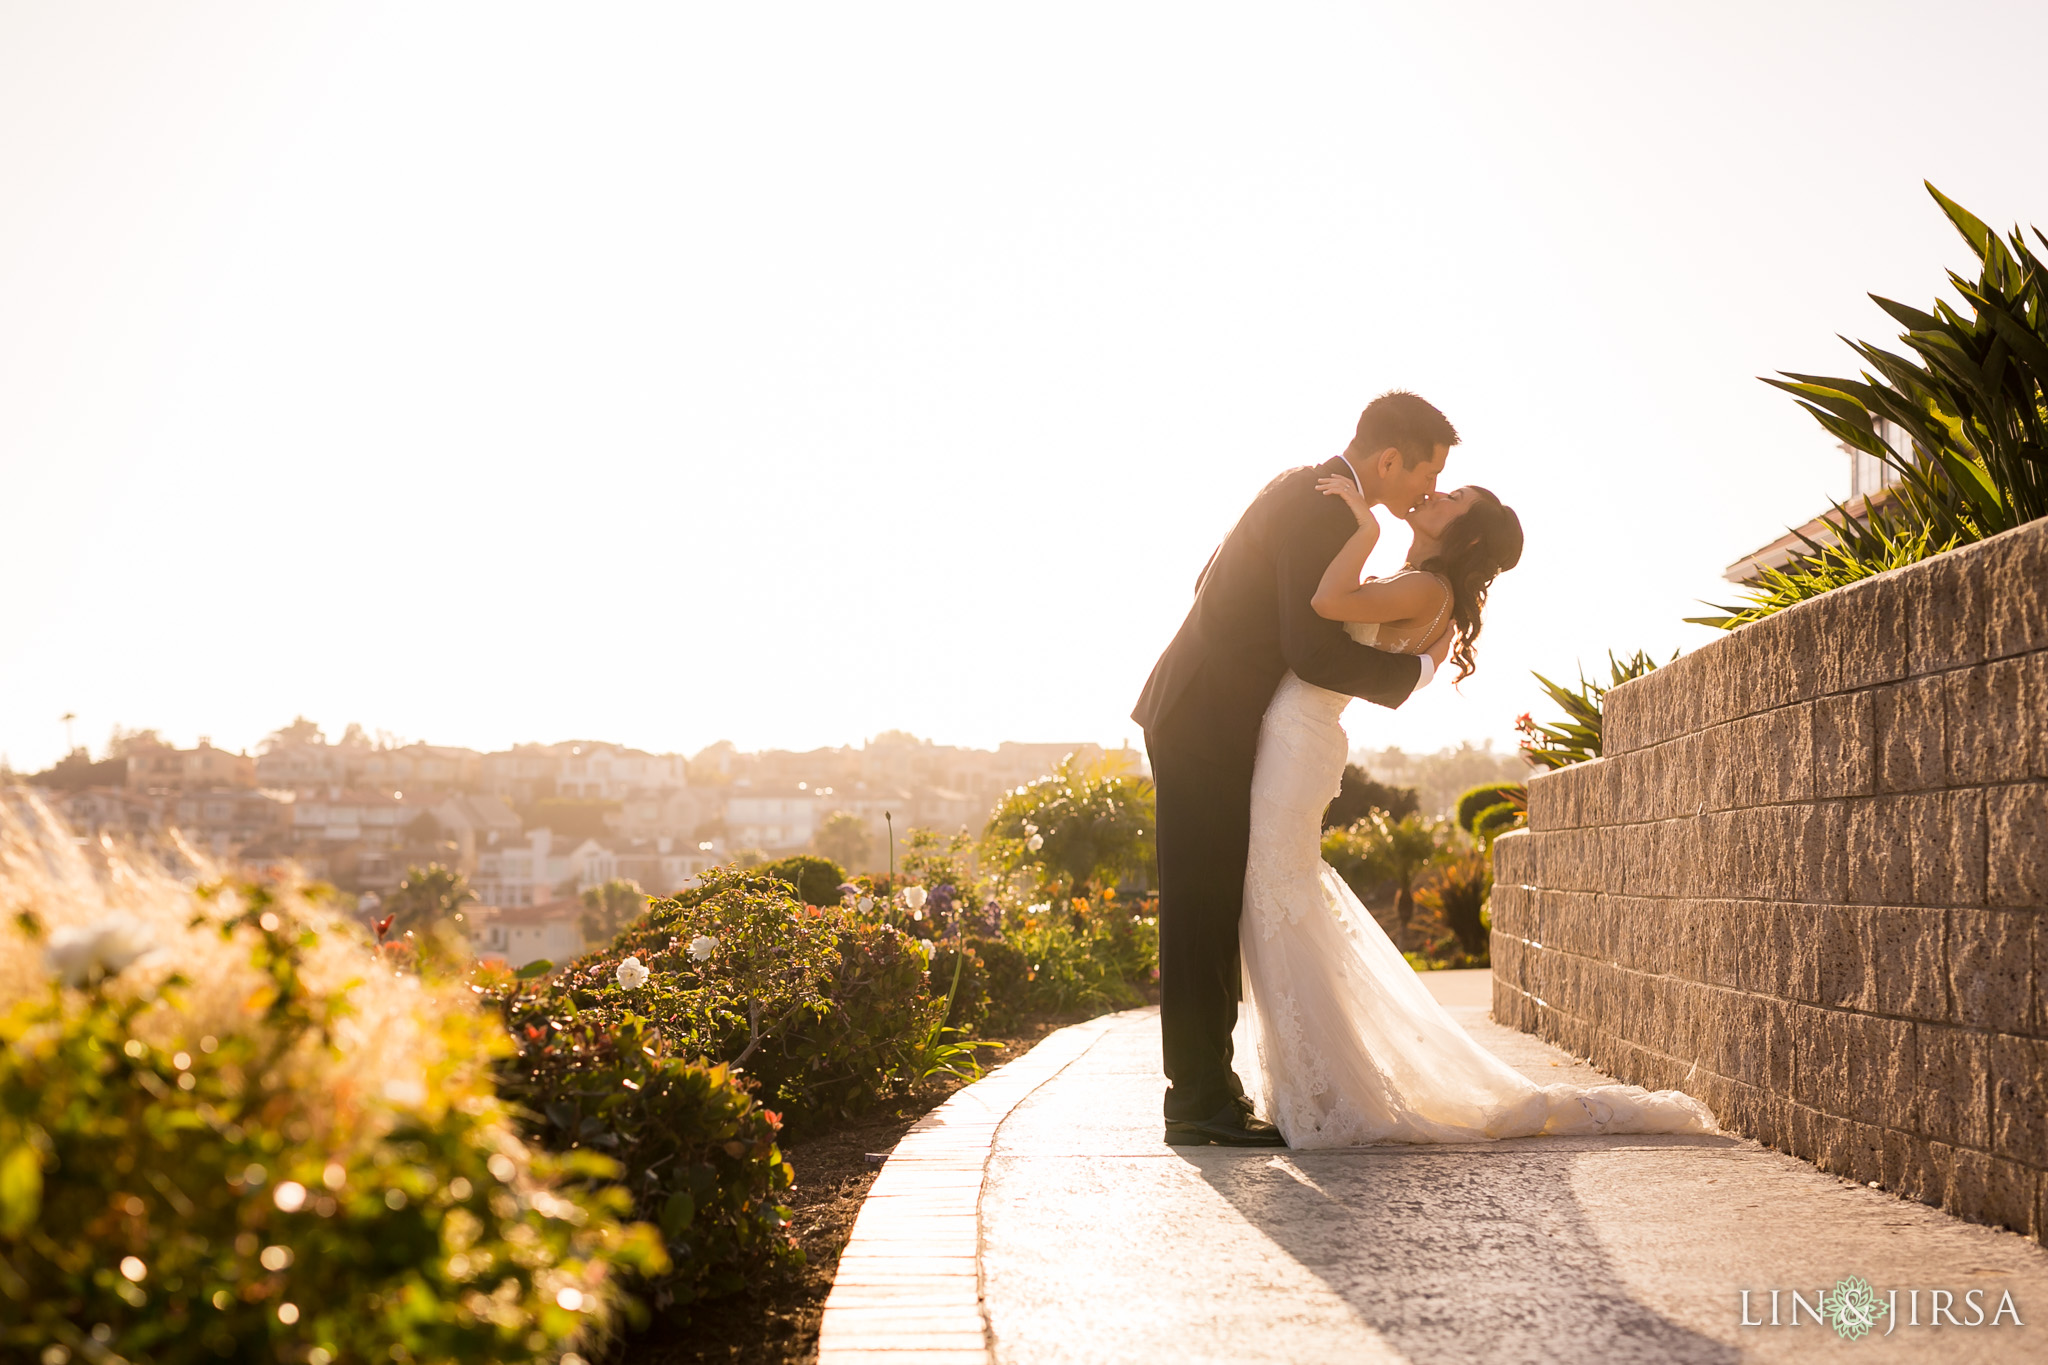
x=1809, y=884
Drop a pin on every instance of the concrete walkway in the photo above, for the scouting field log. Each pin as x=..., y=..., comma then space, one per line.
x=1095, y=1242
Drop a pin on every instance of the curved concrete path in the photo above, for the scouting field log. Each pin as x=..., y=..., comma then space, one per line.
x=1038, y=1217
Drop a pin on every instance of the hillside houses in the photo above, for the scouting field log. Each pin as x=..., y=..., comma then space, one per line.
x=533, y=825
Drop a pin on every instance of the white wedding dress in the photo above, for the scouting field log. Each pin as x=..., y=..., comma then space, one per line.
x=1338, y=1041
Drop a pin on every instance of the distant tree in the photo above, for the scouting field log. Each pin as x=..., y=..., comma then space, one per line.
x=1359, y=796
x=844, y=839
x=122, y=743
x=428, y=896
x=76, y=771
x=300, y=731
x=1439, y=777
x=712, y=766
x=423, y=834
x=609, y=908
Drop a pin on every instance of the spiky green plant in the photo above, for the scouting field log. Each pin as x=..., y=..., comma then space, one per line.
x=1576, y=738
x=1973, y=402
x=1884, y=541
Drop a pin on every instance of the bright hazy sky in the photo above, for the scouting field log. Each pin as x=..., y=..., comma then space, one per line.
x=487, y=373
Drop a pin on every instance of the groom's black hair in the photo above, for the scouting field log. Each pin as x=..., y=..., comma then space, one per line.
x=1408, y=423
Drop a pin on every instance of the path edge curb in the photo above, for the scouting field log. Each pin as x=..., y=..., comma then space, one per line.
x=907, y=1290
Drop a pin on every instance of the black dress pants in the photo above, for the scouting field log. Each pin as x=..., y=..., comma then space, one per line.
x=1203, y=784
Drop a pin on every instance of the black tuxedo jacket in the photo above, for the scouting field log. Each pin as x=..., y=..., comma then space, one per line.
x=1252, y=622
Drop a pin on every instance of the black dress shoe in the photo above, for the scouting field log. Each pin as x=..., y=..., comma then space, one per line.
x=1230, y=1126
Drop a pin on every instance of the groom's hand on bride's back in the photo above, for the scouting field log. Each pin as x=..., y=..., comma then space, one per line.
x=1441, y=650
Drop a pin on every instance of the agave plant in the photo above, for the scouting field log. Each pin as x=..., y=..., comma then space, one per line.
x=1576, y=738
x=1885, y=538
x=1973, y=402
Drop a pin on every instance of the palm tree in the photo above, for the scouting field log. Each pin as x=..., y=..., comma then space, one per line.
x=1379, y=851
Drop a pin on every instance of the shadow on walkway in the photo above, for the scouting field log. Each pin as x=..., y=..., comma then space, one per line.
x=1458, y=1254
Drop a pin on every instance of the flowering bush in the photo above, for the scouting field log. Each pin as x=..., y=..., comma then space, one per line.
x=1075, y=955
x=700, y=1156
x=240, y=1136
x=651, y=1051
x=1077, y=827
x=818, y=1005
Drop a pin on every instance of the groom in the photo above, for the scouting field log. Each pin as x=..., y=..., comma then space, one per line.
x=1201, y=708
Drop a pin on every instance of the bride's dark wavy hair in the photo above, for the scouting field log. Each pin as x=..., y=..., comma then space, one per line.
x=1477, y=548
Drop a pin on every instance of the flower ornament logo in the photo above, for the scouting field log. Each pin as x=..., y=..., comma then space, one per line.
x=631, y=975
x=1853, y=1308
x=702, y=947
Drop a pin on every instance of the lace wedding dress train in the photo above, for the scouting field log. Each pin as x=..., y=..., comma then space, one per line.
x=1338, y=1041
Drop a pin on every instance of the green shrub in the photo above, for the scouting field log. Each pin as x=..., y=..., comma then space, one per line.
x=1455, y=899
x=253, y=1141
x=699, y=1156
x=815, y=880
x=1010, y=975
x=1482, y=799
x=1078, y=827
x=1497, y=820
x=1061, y=958
x=815, y=1004
x=1576, y=738
x=960, y=972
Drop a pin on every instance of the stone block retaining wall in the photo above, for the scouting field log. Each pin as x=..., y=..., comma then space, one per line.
x=1809, y=883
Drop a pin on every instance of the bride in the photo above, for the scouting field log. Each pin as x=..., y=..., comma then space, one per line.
x=1345, y=1044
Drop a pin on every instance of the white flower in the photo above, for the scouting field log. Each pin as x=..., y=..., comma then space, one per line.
x=1042, y=908
x=702, y=947
x=631, y=975
x=913, y=896
x=925, y=946
x=81, y=956
x=864, y=904
x=1035, y=842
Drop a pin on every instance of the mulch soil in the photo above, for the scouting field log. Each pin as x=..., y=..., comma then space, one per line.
x=777, y=1323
